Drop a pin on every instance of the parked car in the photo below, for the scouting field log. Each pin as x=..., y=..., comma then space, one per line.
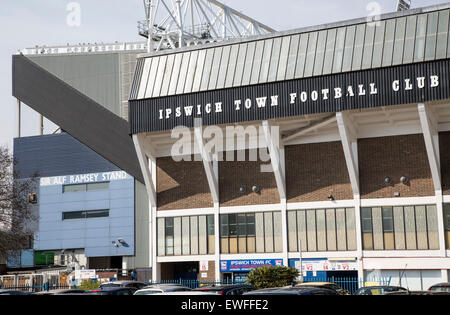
x=192, y=292
x=440, y=287
x=60, y=292
x=378, y=290
x=161, y=288
x=113, y=291
x=299, y=290
x=14, y=292
x=124, y=284
x=326, y=285
x=230, y=289
x=418, y=293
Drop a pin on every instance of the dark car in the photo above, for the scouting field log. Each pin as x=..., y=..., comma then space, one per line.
x=440, y=287
x=418, y=293
x=61, y=292
x=378, y=290
x=113, y=291
x=325, y=285
x=124, y=284
x=303, y=290
x=231, y=289
x=14, y=292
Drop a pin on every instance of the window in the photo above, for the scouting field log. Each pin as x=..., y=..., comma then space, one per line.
x=321, y=230
x=169, y=235
x=85, y=187
x=250, y=232
x=447, y=225
x=71, y=215
x=399, y=228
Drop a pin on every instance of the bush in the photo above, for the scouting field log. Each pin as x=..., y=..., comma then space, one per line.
x=89, y=285
x=272, y=277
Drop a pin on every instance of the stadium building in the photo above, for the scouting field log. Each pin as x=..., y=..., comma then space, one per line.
x=327, y=144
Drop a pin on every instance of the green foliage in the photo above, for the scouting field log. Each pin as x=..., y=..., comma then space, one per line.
x=89, y=285
x=272, y=277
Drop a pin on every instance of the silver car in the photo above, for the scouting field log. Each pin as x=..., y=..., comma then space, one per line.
x=161, y=288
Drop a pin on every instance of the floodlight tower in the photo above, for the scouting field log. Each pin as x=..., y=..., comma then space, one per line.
x=403, y=5
x=176, y=23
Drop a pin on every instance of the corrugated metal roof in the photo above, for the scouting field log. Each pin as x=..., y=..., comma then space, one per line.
x=395, y=39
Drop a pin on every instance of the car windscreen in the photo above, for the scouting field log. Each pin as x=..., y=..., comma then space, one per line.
x=147, y=292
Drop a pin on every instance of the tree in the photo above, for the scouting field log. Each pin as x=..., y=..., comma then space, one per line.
x=272, y=277
x=16, y=211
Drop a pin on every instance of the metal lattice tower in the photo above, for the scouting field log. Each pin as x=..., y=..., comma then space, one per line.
x=403, y=5
x=178, y=23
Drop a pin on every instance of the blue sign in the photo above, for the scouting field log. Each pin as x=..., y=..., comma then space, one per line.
x=247, y=264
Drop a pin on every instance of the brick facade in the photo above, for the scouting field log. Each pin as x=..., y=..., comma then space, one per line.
x=394, y=156
x=182, y=185
x=315, y=171
x=234, y=174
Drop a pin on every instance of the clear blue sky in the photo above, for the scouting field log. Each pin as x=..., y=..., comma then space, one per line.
x=26, y=23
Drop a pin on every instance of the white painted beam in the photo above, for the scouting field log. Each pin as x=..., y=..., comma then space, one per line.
x=348, y=138
x=309, y=129
x=275, y=159
x=145, y=168
x=208, y=165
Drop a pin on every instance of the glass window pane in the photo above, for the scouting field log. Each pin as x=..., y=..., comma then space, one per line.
x=159, y=76
x=421, y=227
x=215, y=68
x=432, y=227
x=301, y=230
x=410, y=37
x=194, y=235
x=248, y=63
x=331, y=229
x=351, y=228
x=70, y=215
x=232, y=224
x=378, y=44
x=74, y=188
x=311, y=230
x=388, y=227
x=399, y=228
x=259, y=224
x=377, y=229
x=98, y=186
x=185, y=234
x=389, y=43
x=274, y=60
x=368, y=45
x=223, y=67
x=257, y=61
x=183, y=75
x=399, y=41
x=447, y=225
x=268, y=232
x=199, y=70
x=202, y=236
x=167, y=75
x=240, y=65
x=421, y=30
x=329, y=52
x=250, y=224
x=224, y=225
x=292, y=58
x=211, y=235
x=430, y=45
x=348, y=50
x=97, y=214
x=359, y=46
x=207, y=69
x=177, y=236
x=278, y=238
x=231, y=66
x=242, y=225
x=310, y=54
x=442, y=36
x=320, y=52
x=301, y=56
x=410, y=228
x=175, y=74
x=284, y=55
x=161, y=237
x=341, y=229
x=321, y=231
x=292, y=231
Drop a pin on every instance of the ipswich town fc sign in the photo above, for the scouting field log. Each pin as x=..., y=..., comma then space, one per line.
x=413, y=83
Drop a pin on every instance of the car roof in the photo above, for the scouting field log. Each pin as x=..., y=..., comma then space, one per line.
x=443, y=284
x=185, y=293
x=223, y=286
x=285, y=290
